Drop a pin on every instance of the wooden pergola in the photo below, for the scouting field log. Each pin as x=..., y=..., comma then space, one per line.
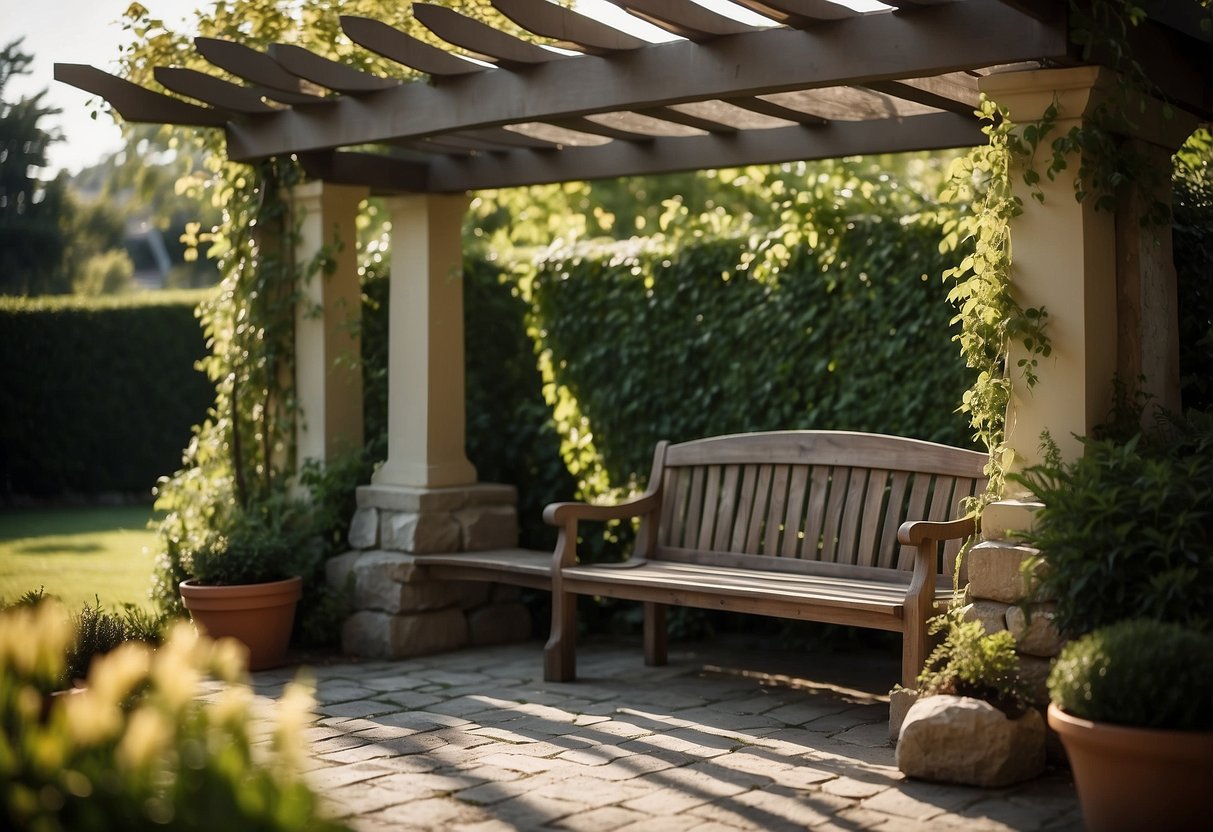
x=822, y=80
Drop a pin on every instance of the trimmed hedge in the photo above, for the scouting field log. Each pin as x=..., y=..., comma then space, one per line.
x=661, y=345
x=98, y=394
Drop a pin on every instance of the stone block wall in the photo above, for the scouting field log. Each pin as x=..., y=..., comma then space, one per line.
x=399, y=610
x=997, y=590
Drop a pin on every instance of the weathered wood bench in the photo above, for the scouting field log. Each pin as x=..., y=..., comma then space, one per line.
x=839, y=527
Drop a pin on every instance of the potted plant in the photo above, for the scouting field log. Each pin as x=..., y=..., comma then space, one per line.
x=1126, y=529
x=1133, y=705
x=246, y=580
x=1126, y=551
x=974, y=720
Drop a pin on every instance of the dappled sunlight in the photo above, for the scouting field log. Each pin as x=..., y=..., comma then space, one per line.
x=476, y=737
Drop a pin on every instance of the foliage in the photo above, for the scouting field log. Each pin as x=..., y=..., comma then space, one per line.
x=31, y=210
x=271, y=541
x=685, y=334
x=992, y=322
x=97, y=632
x=1138, y=672
x=971, y=662
x=1193, y=247
x=109, y=273
x=1127, y=528
x=137, y=748
x=242, y=455
x=98, y=394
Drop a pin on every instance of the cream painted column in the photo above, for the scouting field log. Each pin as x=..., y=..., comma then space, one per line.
x=1064, y=260
x=426, y=418
x=328, y=357
x=1106, y=283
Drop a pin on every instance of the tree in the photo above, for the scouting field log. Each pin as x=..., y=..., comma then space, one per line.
x=32, y=211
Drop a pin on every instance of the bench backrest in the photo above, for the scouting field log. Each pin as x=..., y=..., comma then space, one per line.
x=785, y=499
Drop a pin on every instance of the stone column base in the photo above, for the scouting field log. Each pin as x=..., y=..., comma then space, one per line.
x=468, y=518
x=399, y=610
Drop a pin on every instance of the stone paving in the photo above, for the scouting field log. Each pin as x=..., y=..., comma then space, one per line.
x=718, y=740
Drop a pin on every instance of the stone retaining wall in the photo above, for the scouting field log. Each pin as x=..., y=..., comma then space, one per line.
x=399, y=610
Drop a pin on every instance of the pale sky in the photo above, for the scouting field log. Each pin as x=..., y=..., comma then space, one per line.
x=75, y=32
x=88, y=32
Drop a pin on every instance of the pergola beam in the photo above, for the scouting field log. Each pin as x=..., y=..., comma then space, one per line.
x=928, y=42
x=662, y=155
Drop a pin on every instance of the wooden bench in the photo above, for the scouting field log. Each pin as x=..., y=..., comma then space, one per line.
x=840, y=527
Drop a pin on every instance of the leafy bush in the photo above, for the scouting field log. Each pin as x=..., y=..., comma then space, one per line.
x=95, y=631
x=653, y=343
x=270, y=541
x=971, y=662
x=1137, y=672
x=1193, y=247
x=1127, y=528
x=136, y=748
x=99, y=394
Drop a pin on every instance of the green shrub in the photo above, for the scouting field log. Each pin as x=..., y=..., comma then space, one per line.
x=95, y=631
x=971, y=662
x=98, y=394
x=1138, y=672
x=1127, y=528
x=661, y=344
x=137, y=749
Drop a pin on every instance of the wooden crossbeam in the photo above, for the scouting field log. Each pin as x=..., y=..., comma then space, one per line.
x=567, y=26
x=956, y=92
x=798, y=13
x=667, y=154
x=136, y=104
x=930, y=42
x=215, y=91
x=320, y=70
x=683, y=18
x=403, y=48
x=479, y=37
x=257, y=67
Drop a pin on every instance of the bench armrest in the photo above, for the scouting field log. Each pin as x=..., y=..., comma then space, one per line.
x=557, y=514
x=917, y=532
x=565, y=516
x=924, y=536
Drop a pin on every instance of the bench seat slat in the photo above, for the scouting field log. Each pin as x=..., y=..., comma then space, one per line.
x=522, y=567
x=648, y=581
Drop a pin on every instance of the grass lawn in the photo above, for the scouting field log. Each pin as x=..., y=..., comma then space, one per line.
x=78, y=554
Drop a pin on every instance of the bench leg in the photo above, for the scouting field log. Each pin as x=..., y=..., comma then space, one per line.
x=560, y=654
x=913, y=655
x=654, y=634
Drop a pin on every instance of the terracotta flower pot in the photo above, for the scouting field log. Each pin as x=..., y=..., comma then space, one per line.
x=258, y=615
x=1138, y=778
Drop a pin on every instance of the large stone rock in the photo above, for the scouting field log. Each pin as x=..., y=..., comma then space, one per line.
x=419, y=533
x=954, y=739
x=991, y=614
x=364, y=529
x=488, y=527
x=1034, y=629
x=996, y=571
x=1005, y=519
x=382, y=635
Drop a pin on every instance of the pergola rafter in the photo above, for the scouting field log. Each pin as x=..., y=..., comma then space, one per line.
x=821, y=79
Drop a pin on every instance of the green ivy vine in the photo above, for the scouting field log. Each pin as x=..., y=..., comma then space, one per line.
x=990, y=318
